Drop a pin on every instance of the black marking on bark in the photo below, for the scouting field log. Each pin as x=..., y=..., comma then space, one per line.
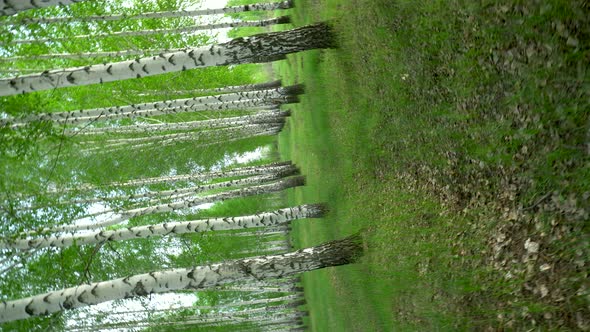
x=13, y=84
x=151, y=274
x=131, y=66
x=81, y=297
x=138, y=76
x=201, y=59
x=144, y=69
x=29, y=310
x=68, y=304
x=109, y=70
x=191, y=275
x=70, y=78
x=87, y=69
x=139, y=289
x=171, y=60
x=183, y=68
x=93, y=290
x=46, y=298
x=126, y=280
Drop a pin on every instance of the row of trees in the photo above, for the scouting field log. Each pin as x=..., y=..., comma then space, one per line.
x=105, y=180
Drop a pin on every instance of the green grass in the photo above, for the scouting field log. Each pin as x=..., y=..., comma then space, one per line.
x=435, y=129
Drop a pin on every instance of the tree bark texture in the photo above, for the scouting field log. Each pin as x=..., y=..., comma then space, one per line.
x=168, y=14
x=193, y=28
x=222, y=101
x=264, y=219
x=196, y=177
x=258, y=117
x=333, y=253
x=187, y=203
x=258, y=48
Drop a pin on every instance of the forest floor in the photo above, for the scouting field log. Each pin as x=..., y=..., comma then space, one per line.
x=455, y=135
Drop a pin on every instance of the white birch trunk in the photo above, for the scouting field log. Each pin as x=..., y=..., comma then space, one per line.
x=196, y=177
x=248, y=104
x=168, y=14
x=259, y=48
x=217, y=102
x=11, y=7
x=258, y=268
x=168, y=142
x=236, y=24
x=213, y=134
x=168, y=194
x=162, y=208
x=264, y=219
x=267, y=301
x=227, y=89
x=84, y=55
x=259, y=117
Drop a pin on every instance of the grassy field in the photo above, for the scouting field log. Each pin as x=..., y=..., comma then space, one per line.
x=455, y=136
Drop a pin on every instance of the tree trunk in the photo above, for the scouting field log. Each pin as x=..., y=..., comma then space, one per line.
x=240, y=171
x=199, y=135
x=236, y=24
x=226, y=89
x=266, y=301
x=83, y=55
x=333, y=253
x=216, y=102
x=11, y=7
x=264, y=219
x=169, y=194
x=168, y=14
x=242, y=192
x=269, y=130
x=259, y=117
x=259, y=48
x=248, y=104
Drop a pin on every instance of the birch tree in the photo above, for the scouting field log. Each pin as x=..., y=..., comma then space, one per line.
x=193, y=28
x=237, y=100
x=259, y=48
x=186, y=203
x=226, y=89
x=195, y=177
x=264, y=219
x=157, y=15
x=272, y=116
x=84, y=55
x=333, y=253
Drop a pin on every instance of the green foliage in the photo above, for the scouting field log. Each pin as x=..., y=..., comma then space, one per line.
x=42, y=165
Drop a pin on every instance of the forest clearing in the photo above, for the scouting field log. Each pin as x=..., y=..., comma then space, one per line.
x=315, y=165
